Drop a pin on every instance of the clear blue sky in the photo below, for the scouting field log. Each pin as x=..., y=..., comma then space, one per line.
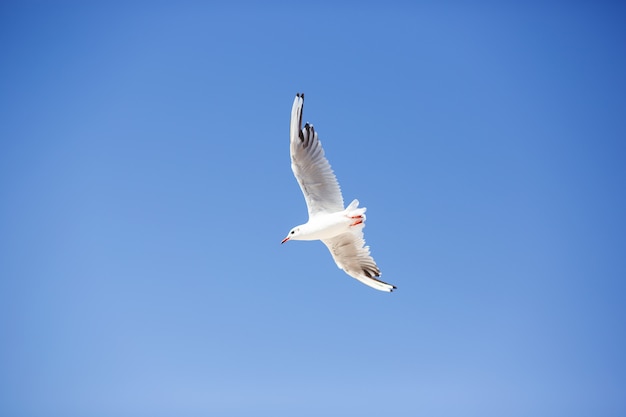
x=145, y=186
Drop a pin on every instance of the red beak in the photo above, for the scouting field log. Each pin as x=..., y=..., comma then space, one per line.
x=284, y=240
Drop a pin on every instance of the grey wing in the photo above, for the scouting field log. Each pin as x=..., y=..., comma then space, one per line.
x=310, y=167
x=351, y=255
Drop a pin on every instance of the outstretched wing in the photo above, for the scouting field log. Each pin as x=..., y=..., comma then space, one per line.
x=351, y=255
x=310, y=167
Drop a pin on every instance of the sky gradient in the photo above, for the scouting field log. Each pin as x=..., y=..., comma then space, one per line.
x=145, y=187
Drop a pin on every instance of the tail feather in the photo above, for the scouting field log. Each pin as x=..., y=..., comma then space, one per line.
x=354, y=204
x=353, y=209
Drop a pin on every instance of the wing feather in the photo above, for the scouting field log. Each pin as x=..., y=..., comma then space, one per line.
x=310, y=166
x=350, y=254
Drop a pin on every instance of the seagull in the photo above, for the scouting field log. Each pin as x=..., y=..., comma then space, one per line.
x=339, y=228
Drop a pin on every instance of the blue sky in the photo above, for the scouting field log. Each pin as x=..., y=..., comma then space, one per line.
x=145, y=187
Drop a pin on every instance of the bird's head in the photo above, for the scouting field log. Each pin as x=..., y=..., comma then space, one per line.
x=293, y=234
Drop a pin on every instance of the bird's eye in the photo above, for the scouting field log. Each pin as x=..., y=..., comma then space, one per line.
x=292, y=232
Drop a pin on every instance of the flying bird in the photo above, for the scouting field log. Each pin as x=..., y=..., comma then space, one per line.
x=339, y=228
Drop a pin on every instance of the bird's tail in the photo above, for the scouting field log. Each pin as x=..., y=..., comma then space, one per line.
x=353, y=209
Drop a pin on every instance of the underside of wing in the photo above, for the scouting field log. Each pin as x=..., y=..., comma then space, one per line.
x=310, y=167
x=351, y=255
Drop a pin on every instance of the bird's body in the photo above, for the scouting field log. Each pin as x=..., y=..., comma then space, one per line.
x=339, y=228
x=325, y=226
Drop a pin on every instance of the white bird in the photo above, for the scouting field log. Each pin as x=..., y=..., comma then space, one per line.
x=340, y=229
